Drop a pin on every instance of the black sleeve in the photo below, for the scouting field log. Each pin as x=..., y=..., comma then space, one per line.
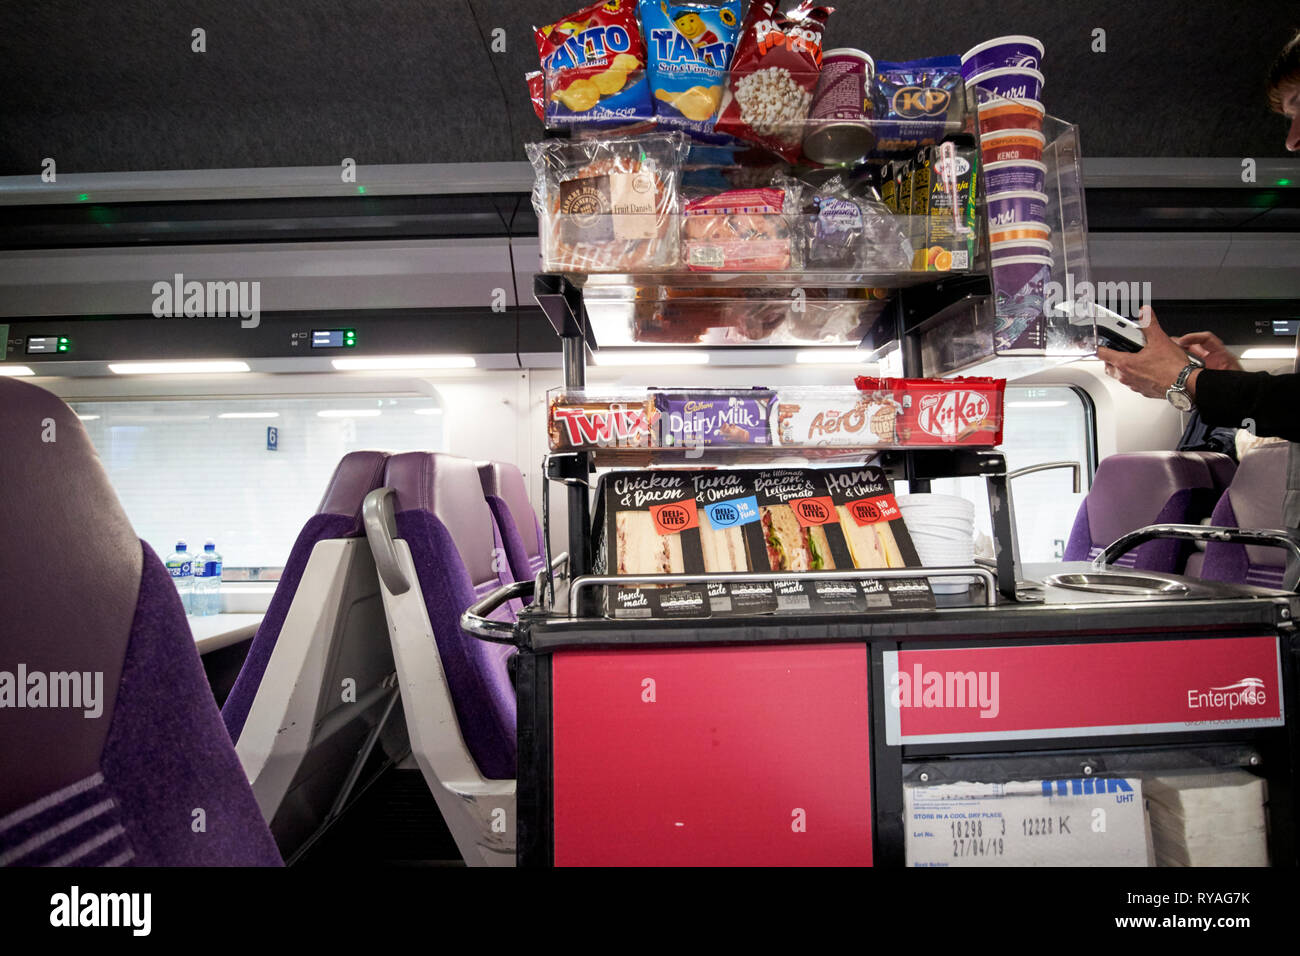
x=1234, y=399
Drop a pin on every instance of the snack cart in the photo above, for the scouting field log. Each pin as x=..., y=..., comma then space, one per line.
x=840, y=709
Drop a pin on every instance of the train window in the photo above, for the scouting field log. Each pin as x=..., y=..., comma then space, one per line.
x=1043, y=425
x=247, y=473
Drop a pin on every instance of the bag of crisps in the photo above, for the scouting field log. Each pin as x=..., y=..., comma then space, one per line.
x=774, y=75
x=593, y=66
x=689, y=46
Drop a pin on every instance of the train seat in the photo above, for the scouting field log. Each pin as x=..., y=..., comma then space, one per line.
x=125, y=761
x=1253, y=500
x=433, y=538
x=318, y=690
x=1136, y=489
x=521, y=533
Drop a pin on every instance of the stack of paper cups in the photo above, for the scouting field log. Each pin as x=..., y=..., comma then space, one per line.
x=943, y=529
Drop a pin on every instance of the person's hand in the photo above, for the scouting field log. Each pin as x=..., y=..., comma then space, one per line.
x=1152, y=371
x=1209, y=348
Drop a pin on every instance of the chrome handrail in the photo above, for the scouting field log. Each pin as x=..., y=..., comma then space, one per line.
x=1264, y=538
x=755, y=577
x=475, y=620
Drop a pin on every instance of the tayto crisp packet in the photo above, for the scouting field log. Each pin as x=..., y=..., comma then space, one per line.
x=774, y=76
x=689, y=47
x=593, y=65
x=916, y=101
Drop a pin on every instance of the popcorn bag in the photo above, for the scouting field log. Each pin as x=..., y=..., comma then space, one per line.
x=774, y=76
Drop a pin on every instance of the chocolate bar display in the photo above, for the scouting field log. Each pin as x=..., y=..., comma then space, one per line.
x=808, y=417
x=576, y=424
x=712, y=417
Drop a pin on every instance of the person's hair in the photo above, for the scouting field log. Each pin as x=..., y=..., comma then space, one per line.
x=1284, y=72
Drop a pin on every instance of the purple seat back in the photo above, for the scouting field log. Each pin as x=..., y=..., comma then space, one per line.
x=148, y=775
x=521, y=534
x=443, y=517
x=1132, y=490
x=1221, y=467
x=337, y=516
x=1253, y=500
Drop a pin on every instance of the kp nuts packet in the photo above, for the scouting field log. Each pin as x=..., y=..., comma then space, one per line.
x=651, y=525
x=593, y=67
x=689, y=47
x=917, y=102
x=712, y=418
x=774, y=76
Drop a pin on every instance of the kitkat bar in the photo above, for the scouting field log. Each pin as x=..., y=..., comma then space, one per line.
x=950, y=411
x=576, y=424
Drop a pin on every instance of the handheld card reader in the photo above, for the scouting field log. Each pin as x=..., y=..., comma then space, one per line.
x=1113, y=330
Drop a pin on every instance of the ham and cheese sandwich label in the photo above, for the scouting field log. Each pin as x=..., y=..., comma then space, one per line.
x=870, y=510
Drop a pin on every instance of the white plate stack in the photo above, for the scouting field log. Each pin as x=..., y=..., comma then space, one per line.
x=943, y=529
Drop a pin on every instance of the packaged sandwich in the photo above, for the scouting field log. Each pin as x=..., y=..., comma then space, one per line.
x=731, y=538
x=689, y=47
x=740, y=230
x=593, y=66
x=712, y=417
x=608, y=205
x=794, y=513
x=774, y=75
x=875, y=534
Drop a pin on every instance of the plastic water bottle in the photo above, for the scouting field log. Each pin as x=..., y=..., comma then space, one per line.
x=180, y=566
x=207, y=580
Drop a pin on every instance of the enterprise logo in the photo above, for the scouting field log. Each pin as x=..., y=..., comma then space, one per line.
x=1247, y=692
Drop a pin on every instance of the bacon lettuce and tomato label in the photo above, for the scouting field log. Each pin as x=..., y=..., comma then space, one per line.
x=689, y=47
x=593, y=67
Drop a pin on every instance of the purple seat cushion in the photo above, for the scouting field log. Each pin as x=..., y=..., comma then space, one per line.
x=521, y=569
x=321, y=527
x=1131, y=491
x=477, y=676
x=170, y=790
x=1254, y=500
x=168, y=754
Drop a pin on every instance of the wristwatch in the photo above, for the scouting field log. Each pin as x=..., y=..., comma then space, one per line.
x=1177, y=393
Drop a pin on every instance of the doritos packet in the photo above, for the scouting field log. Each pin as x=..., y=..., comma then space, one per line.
x=593, y=66
x=774, y=75
x=689, y=47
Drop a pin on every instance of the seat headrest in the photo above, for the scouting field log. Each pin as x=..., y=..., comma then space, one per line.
x=506, y=482
x=448, y=488
x=70, y=566
x=1258, y=489
x=358, y=474
x=1129, y=490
